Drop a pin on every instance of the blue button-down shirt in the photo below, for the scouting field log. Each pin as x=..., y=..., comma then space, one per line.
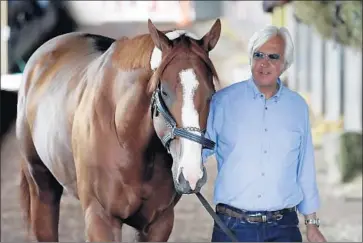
x=264, y=150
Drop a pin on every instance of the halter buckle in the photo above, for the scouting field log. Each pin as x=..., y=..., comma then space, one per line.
x=172, y=133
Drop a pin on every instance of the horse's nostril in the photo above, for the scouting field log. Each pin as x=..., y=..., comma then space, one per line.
x=181, y=178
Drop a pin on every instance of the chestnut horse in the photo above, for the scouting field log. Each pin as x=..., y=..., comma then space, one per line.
x=119, y=124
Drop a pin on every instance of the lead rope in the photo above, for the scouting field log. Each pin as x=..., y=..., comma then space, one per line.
x=215, y=217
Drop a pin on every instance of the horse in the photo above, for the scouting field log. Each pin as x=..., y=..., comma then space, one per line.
x=117, y=123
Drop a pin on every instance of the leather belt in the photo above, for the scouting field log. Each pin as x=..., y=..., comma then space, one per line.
x=251, y=217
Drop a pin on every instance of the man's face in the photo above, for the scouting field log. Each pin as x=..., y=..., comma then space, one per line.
x=268, y=61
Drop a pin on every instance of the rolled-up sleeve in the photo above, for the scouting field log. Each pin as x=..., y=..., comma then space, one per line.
x=307, y=171
x=211, y=132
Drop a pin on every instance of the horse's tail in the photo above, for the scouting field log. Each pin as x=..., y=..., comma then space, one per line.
x=25, y=197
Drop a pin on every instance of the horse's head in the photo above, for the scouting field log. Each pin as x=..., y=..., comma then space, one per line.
x=182, y=86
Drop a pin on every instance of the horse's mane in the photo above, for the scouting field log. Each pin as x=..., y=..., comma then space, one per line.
x=133, y=53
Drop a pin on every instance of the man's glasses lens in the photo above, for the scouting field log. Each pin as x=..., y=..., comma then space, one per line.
x=260, y=55
x=274, y=56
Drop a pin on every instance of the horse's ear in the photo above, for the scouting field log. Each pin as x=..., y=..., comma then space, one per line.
x=160, y=40
x=209, y=40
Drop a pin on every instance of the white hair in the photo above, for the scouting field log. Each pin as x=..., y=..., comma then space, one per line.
x=261, y=37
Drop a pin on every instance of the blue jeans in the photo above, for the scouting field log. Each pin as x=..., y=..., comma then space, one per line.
x=283, y=230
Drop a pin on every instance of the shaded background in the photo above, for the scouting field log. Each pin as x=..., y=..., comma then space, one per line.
x=327, y=71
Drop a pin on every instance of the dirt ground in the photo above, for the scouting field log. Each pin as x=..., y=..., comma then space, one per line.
x=341, y=212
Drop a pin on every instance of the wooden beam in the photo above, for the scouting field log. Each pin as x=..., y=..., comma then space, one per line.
x=4, y=37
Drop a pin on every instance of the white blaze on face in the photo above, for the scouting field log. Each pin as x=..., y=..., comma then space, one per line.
x=190, y=159
x=156, y=54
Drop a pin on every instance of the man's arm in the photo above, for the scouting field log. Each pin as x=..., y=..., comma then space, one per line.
x=307, y=173
x=211, y=132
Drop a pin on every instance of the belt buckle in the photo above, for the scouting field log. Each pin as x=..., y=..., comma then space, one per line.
x=279, y=217
x=264, y=217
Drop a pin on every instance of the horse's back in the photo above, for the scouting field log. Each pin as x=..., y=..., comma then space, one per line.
x=53, y=83
x=66, y=55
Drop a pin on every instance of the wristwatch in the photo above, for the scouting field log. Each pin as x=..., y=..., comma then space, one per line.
x=313, y=221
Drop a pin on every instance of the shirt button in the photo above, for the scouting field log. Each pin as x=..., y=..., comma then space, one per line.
x=265, y=152
x=263, y=174
x=265, y=129
x=259, y=196
x=266, y=108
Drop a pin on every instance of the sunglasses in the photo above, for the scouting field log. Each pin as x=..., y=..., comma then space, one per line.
x=260, y=55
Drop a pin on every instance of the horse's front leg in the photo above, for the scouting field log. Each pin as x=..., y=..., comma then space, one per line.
x=105, y=201
x=160, y=229
x=99, y=225
x=97, y=198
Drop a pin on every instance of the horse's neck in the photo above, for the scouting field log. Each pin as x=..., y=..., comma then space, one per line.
x=133, y=114
x=129, y=76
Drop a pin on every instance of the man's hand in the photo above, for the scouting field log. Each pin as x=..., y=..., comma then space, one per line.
x=313, y=234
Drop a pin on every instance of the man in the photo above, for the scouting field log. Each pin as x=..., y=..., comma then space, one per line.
x=264, y=150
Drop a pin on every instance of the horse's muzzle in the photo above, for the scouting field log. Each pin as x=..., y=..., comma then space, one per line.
x=183, y=186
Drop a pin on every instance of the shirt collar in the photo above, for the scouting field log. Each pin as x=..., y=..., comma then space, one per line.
x=257, y=92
